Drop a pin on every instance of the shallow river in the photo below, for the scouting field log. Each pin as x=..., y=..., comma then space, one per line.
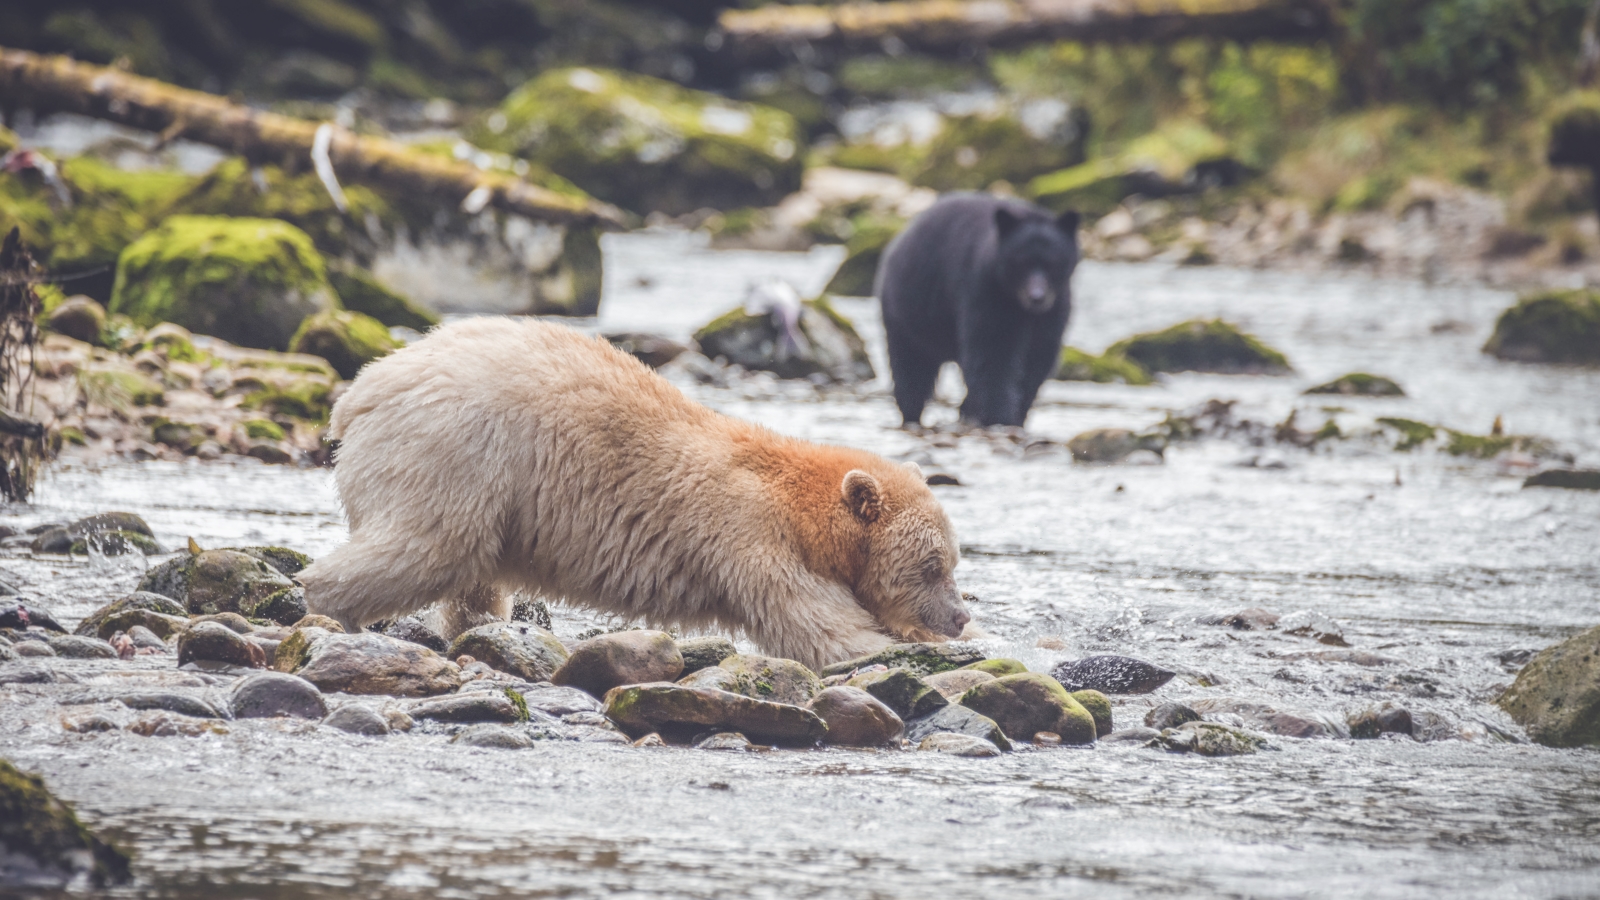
x=1441, y=563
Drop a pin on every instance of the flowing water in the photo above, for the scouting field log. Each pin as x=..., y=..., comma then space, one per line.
x=1441, y=564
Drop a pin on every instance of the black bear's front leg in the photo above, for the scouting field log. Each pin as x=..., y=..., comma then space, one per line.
x=992, y=366
x=1041, y=358
x=915, y=372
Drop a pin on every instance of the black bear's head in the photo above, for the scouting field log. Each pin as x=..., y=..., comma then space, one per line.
x=1037, y=256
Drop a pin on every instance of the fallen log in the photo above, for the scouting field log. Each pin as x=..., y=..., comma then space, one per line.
x=943, y=27
x=48, y=84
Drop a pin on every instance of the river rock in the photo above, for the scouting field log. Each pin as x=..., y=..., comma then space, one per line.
x=14, y=613
x=958, y=745
x=215, y=642
x=522, y=649
x=1253, y=619
x=496, y=737
x=673, y=710
x=1314, y=625
x=1023, y=705
x=1556, y=697
x=1360, y=384
x=89, y=723
x=957, y=719
x=45, y=847
x=286, y=561
x=6, y=653
x=166, y=724
x=72, y=646
x=1210, y=739
x=478, y=706
x=215, y=581
x=1170, y=715
x=1099, y=706
x=170, y=701
x=716, y=678
x=33, y=647
x=625, y=657
x=1355, y=657
x=1263, y=717
x=1202, y=346
x=856, y=718
x=1111, y=675
x=347, y=339
x=771, y=678
x=323, y=622
x=1138, y=735
x=1371, y=723
x=1112, y=445
x=1560, y=326
x=145, y=639
x=78, y=317
x=704, y=652
x=558, y=701
x=775, y=332
x=920, y=658
x=142, y=609
x=951, y=685
x=266, y=695
x=285, y=607
x=724, y=740
x=410, y=628
x=1570, y=479
x=368, y=664
x=999, y=668
x=909, y=696
x=358, y=718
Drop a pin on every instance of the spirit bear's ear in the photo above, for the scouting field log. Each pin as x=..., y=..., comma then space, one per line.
x=862, y=496
x=1068, y=223
x=915, y=470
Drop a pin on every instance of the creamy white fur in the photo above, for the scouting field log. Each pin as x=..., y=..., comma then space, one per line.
x=499, y=454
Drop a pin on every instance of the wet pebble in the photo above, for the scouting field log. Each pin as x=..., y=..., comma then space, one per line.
x=35, y=674
x=14, y=613
x=496, y=737
x=358, y=718
x=625, y=657
x=271, y=694
x=771, y=678
x=1111, y=675
x=480, y=706
x=216, y=642
x=958, y=745
x=159, y=613
x=1170, y=715
x=558, y=701
x=724, y=740
x=590, y=734
x=145, y=639
x=1372, y=723
x=650, y=740
x=856, y=718
x=33, y=648
x=72, y=646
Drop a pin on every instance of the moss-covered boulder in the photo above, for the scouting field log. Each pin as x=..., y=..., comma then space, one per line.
x=1179, y=157
x=522, y=649
x=770, y=678
x=215, y=581
x=857, y=275
x=624, y=657
x=920, y=658
x=1360, y=384
x=1076, y=365
x=79, y=317
x=361, y=292
x=1026, y=704
x=1211, y=739
x=1099, y=706
x=1202, y=346
x=289, y=562
x=704, y=652
x=902, y=691
x=1012, y=144
x=647, y=144
x=999, y=668
x=347, y=340
x=678, y=713
x=1553, y=327
x=1556, y=697
x=43, y=846
x=790, y=340
x=247, y=281
x=285, y=607
x=96, y=624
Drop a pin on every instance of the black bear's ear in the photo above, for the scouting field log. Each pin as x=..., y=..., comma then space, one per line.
x=1006, y=220
x=1068, y=222
x=862, y=496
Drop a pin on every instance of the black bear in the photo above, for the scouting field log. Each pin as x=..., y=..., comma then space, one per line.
x=983, y=281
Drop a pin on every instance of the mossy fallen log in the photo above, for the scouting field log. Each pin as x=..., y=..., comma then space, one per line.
x=50, y=84
x=942, y=27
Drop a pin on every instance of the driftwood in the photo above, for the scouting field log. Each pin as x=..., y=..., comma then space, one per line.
x=57, y=84
x=943, y=27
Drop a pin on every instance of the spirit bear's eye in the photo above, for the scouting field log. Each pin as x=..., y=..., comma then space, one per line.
x=932, y=569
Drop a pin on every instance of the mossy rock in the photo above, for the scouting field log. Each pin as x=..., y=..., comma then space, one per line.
x=45, y=844
x=263, y=430
x=116, y=543
x=347, y=340
x=247, y=281
x=1026, y=704
x=284, y=607
x=1202, y=346
x=999, y=668
x=902, y=691
x=215, y=581
x=1574, y=130
x=1569, y=479
x=920, y=658
x=1411, y=434
x=289, y=562
x=1489, y=446
x=647, y=144
x=704, y=652
x=1554, y=327
x=826, y=343
x=1180, y=157
x=184, y=436
x=1360, y=384
x=973, y=152
x=360, y=292
x=79, y=317
x=771, y=678
x=517, y=648
x=305, y=398
x=138, y=600
x=907, y=74
x=857, y=275
x=1076, y=365
x=1099, y=706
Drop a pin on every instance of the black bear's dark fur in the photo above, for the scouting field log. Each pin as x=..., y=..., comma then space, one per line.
x=983, y=281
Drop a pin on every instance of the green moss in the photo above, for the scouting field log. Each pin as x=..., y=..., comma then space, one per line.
x=1328, y=432
x=284, y=607
x=999, y=668
x=648, y=144
x=248, y=281
x=1413, y=434
x=73, y=435
x=1168, y=155
x=235, y=188
x=183, y=436
x=1098, y=706
x=870, y=235
x=119, y=389
x=263, y=429
x=305, y=399
x=973, y=152
x=116, y=543
x=907, y=74
x=289, y=562
x=1551, y=327
x=37, y=826
x=518, y=701
x=347, y=340
x=1077, y=365
x=362, y=293
x=1360, y=384
x=1490, y=446
x=1202, y=346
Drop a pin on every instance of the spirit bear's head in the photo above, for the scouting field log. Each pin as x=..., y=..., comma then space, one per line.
x=906, y=553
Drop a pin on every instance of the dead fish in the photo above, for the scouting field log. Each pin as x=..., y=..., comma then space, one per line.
x=1111, y=675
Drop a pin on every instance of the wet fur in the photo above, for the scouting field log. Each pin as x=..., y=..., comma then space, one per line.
x=499, y=454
